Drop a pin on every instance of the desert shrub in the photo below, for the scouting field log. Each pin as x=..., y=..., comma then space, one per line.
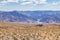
x=40, y=25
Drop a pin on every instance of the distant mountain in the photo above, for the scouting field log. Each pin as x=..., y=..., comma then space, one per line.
x=14, y=16
x=30, y=16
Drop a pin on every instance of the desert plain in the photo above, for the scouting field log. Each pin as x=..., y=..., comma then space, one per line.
x=26, y=31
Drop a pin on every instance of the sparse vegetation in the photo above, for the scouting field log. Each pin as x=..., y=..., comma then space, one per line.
x=40, y=25
x=17, y=31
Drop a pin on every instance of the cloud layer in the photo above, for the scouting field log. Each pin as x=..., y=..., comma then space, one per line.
x=30, y=4
x=25, y=1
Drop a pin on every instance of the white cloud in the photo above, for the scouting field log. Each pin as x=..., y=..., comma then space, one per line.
x=13, y=1
x=54, y=3
x=34, y=2
x=23, y=0
x=7, y=1
x=30, y=5
x=4, y=2
x=42, y=1
x=1, y=4
x=25, y=3
x=39, y=1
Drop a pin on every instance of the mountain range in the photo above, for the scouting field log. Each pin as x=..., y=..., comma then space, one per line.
x=30, y=16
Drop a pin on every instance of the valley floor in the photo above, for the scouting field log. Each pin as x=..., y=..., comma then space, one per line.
x=20, y=31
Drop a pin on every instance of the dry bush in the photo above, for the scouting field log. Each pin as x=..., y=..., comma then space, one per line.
x=40, y=25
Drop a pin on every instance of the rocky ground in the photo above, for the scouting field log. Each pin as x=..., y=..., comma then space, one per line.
x=18, y=31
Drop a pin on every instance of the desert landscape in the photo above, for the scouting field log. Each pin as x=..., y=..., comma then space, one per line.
x=29, y=19
x=26, y=31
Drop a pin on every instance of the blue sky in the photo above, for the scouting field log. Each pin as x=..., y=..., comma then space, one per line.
x=24, y=5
